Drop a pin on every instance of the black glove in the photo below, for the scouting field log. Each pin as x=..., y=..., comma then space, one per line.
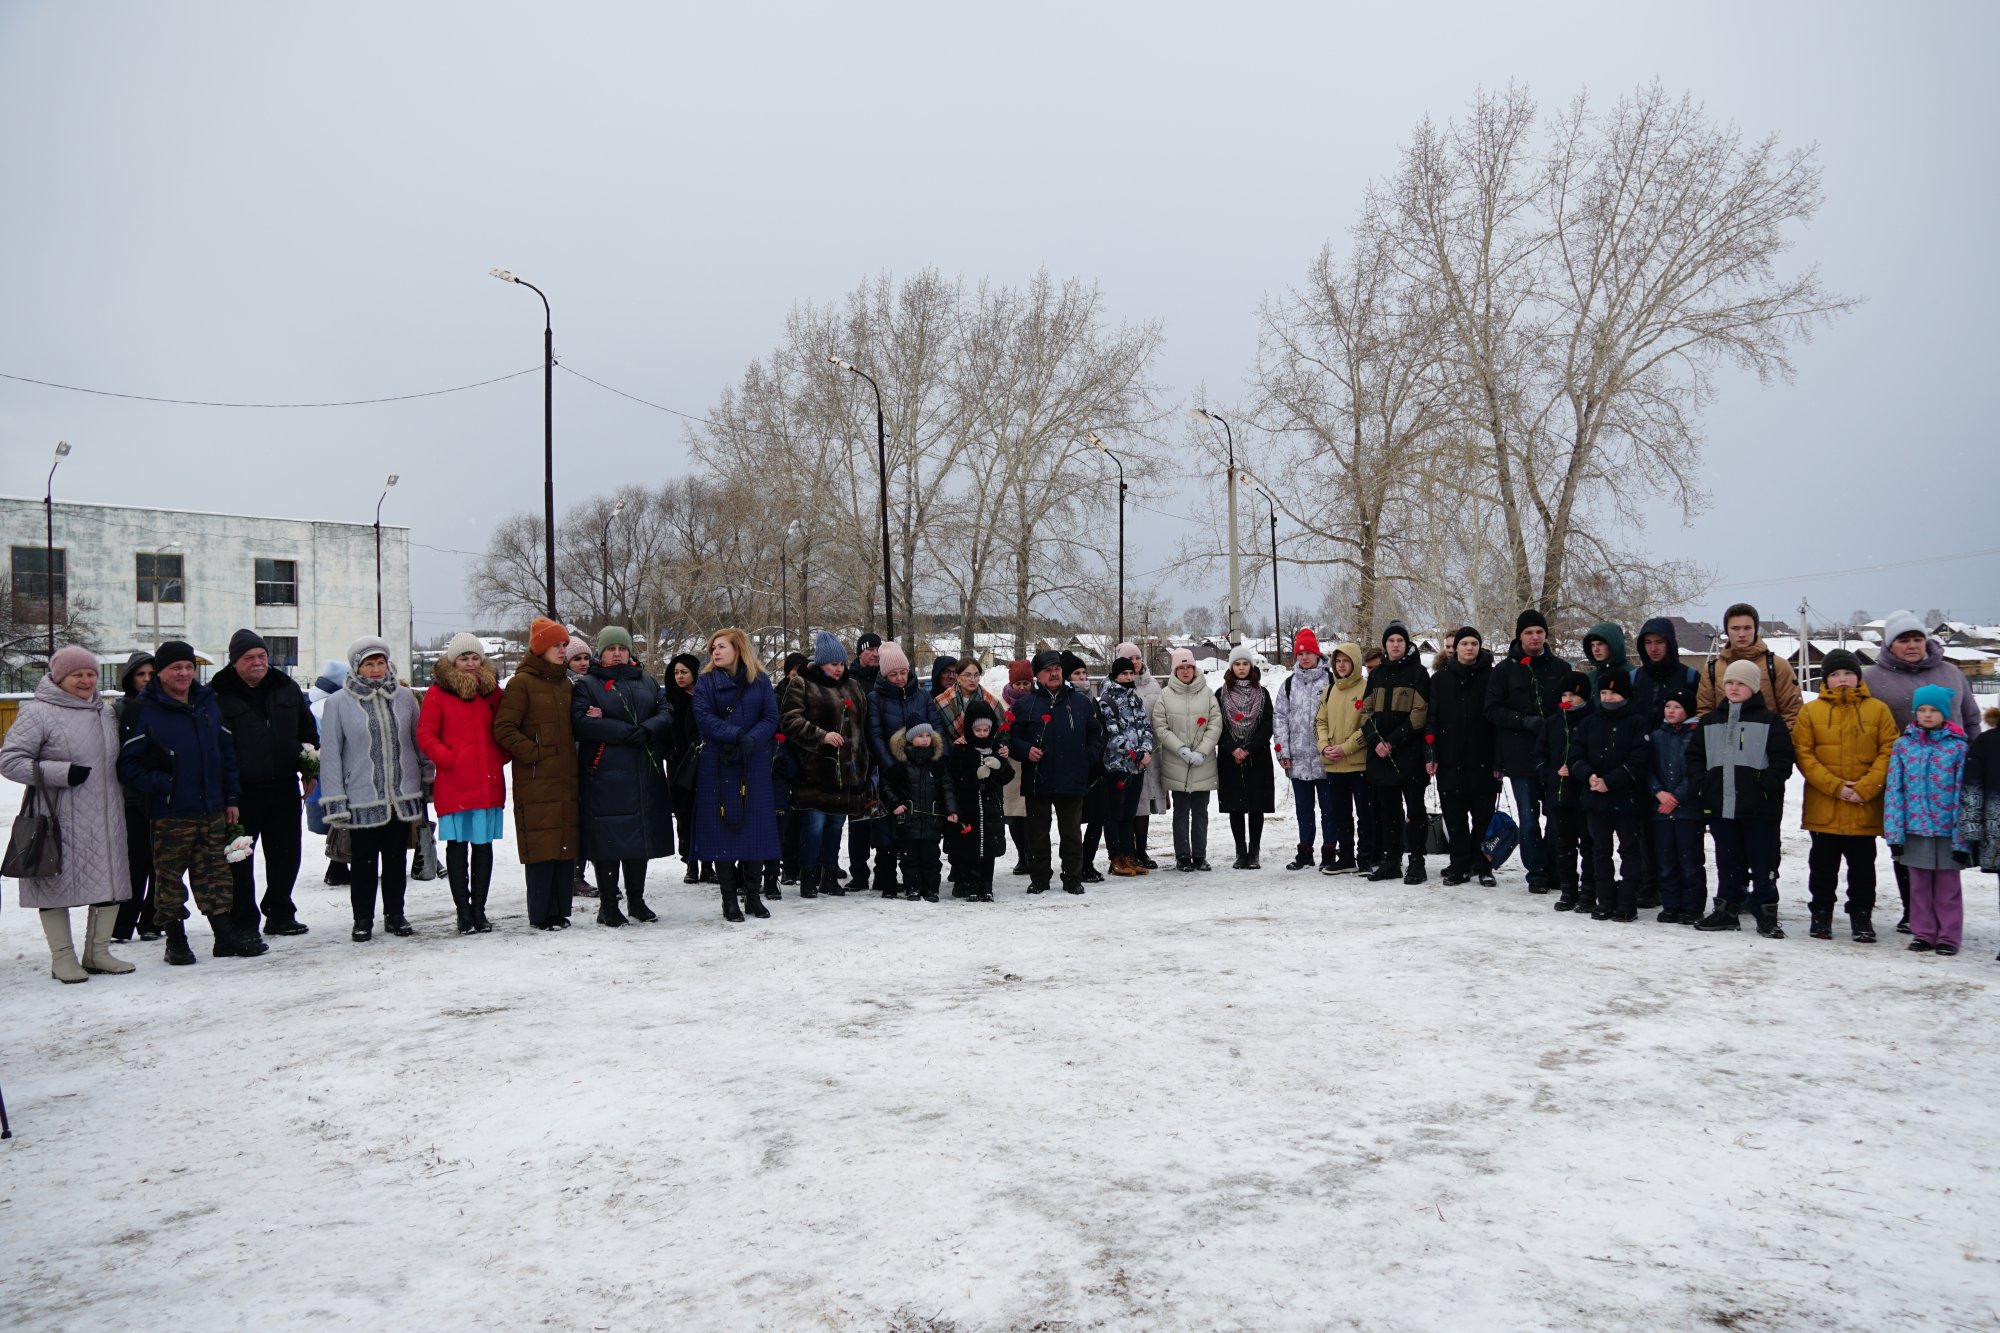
x=1895, y=851
x=1958, y=858
x=78, y=772
x=729, y=752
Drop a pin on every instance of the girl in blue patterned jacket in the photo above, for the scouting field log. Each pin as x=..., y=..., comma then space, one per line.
x=1920, y=820
x=1128, y=752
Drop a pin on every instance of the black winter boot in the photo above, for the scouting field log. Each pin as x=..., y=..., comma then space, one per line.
x=1415, y=874
x=458, y=873
x=771, y=889
x=808, y=881
x=635, y=906
x=1822, y=924
x=1302, y=858
x=1722, y=918
x=752, y=904
x=178, y=953
x=1390, y=867
x=607, y=901
x=829, y=882
x=232, y=941
x=1566, y=901
x=727, y=877
x=1862, y=924
x=1332, y=863
x=693, y=875
x=482, y=880
x=711, y=872
x=1767, y=922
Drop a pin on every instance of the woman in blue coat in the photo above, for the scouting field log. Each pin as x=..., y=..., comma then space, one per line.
x=735, y=814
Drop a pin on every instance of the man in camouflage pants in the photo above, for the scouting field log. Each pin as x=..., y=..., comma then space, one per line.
x=179, y=753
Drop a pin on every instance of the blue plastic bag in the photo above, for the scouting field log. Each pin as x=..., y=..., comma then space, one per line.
x=1501, y=836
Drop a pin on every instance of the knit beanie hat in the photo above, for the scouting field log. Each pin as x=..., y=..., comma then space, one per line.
x=1683, y=695
x=1121, y=665
x=462, y=643
x=1396, y=627
x=1529, y=619
x=1939, y=697
x=170, y=652
x=1241, y=653
x=1576, y=683
x=827, y=650
x=1617, y=680
x=614, y=636
x=1178, y=658
x=1045, y=659
x=1020, y=673
x=245, y=641
x=574, y=649
x=1071, y=664
x=1840, y=659
x=977, y=709
x=545, y=634
x=894, y=658
x=365, y=647
x=1467, y=632
x=71, y=657
x=1130, y=650
x=1744, y=672
x=918, y=732
x=869, y=640
x=1305, y=641
x=795, y=662
x=1899, y=623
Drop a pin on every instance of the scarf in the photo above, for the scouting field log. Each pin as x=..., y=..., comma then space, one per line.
x=385, y=755
x=1243, y=708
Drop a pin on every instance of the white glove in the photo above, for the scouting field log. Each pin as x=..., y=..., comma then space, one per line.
x=990, y=764
x=1190, y=755
x=1197, y=758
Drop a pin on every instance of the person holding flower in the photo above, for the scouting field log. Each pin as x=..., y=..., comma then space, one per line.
x=823, y=715
x=1187, y=733
x=1246, y=789
x=272, y=725
x=373, y=779
x=1055, y=734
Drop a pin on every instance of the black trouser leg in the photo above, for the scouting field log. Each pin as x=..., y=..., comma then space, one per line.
x=1069, y=829
x=1902, y=885
x=1017, y=830
x=1562, y=846
x=549, y=891
x=1041, y=809
x=269, y=813
x=1239, y=833
x=380, y=860
x=137, y=911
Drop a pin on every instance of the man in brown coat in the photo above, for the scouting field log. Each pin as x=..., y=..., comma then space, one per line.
x=533, y=725
x=1775, y=681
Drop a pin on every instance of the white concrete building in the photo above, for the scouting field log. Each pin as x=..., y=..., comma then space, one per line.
x=146, y=575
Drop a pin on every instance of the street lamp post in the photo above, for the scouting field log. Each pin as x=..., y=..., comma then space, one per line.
x=49, y=550
x=548, y=434
x=1277, y=625
x=159, y=587
x=1235, y=597
x=1097, y=442
x=604, y=556
x=882, y=468
x=386, y=486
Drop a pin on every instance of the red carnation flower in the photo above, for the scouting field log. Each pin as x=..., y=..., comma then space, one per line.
x=779, y=738
x=1526, y=663
x=1239, y=717
x=1201, y=722
x=609, y=687
x=1429, y=739
x=1048, y=717
x=1357, y=705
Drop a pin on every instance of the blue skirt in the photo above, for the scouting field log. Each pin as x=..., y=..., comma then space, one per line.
x=473, y=825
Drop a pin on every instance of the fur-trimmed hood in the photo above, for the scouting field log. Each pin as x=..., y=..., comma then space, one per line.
x=466, y=685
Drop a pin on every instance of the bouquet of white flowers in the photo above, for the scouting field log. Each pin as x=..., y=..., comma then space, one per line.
x=309, y=761
x=239, y=846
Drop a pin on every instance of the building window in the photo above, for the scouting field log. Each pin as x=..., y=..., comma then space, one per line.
x=39, y=574
x=283, y=650
x=277, y=583
x=160, y=578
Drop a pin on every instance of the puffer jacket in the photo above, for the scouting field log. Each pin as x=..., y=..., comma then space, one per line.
x=1616, y=748
x=1397, y=711
x=1979, y=796
x=1523, y=693
x=1741, y=765
x=180, y=754
x=1776, y=684
x=1338, y=722
x=1461, y=743
x=921, y=785
x=625, y=807
x=980, y=796
x=1922, y=798
x=1612, y=637
x=1186, y=715
x=1067, y=730
x=455, y=731
x=1653, y=681
x=1670, y=771
x=838, y=780
x=1128, y=728
x=1896, y=682
x=893, y=708
x=533, y=726
x=1295, y=723
x=1844, y=736
x=1559, y=745
x=54, y=731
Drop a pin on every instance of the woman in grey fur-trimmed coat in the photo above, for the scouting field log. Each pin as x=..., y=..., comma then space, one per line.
x=372, y=780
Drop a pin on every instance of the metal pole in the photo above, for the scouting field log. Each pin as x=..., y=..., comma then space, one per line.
x=1235, y=586
x=1121, y=549
x=548, y=448
x=49, y=549
x=378, y=569
x=882, y=471
x=784, y=598
x=1277, y=622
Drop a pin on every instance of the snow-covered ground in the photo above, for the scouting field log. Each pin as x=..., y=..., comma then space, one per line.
x=1225, y=1101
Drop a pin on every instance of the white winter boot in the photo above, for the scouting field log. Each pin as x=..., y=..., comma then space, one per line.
x=97, y=955
x=62, y=950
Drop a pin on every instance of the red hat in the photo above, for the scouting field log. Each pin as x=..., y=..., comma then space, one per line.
x=1019, y=673
x=1305, y=641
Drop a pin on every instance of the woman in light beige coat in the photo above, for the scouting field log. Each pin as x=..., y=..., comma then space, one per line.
x=1187, y=731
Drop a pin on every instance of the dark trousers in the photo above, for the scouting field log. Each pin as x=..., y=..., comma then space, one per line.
x=788, y=842
x=1401, y=819
x=380, y=855
x=921, y=868
x=1559, y=849
x=607, y=876
x=1746, y=862
x=1068, y=812
x=975, y=874
x=1680, y=864
x=138, y=909
x=1617, y=884
x=1308, y=796
x=1533, y=813
x=861, y=840
x=270, y=812
x=1902, y=885
x=1123, y=793
x=1190, y=825
x=551, y=886
x=1351, y=810
x=1247, y=828
x=1368, y=827
x=683, y=803
x=1823, y=872
x=1466, y=815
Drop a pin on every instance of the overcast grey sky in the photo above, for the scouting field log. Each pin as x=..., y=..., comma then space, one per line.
x=279, y=202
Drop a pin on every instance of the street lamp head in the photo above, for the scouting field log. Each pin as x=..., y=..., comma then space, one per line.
x=617, y=509
x=62, y=448
x=1096, y=440
x=502, y=274
x=844, y=365
x=393, y=479
x=1202, y=414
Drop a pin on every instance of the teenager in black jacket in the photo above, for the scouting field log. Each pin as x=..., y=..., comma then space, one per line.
x=1461, y=754
x=1615, y=765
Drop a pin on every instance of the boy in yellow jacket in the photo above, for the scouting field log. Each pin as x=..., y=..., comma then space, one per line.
x=1843, y=739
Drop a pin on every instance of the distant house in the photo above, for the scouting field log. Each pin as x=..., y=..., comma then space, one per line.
x=1695, y=637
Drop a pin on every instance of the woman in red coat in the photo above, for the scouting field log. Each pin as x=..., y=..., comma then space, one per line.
x=455, y=732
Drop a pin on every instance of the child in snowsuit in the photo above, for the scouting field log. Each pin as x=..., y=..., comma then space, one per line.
x=1614, y=766
x=1679, y=863
x=919, y=795
x=1843, y=738
x=1979, y=798
x=1920, y=819
x=979, y=777
x=1559, y=747
x=1740, y=757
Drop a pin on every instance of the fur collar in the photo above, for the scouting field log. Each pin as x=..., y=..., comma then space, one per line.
x=462, y=684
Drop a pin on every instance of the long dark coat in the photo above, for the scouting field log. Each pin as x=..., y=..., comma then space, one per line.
x=1248, y=787
x=981, y=800
x=838, y=781
x=626, y=806
x=735, y=814
x=533, y=727
x=1461, y=735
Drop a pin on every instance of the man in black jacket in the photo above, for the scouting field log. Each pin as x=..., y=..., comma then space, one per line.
x=866, y=835
x=1055, y=733
x=271, y=724
x=1524, y=689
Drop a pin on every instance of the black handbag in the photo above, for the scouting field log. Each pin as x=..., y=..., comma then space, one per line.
x=34, y=849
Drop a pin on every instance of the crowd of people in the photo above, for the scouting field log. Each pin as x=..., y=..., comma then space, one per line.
x=1622, y=774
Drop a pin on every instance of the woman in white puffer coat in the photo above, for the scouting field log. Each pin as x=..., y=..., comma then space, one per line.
x=1187, y=730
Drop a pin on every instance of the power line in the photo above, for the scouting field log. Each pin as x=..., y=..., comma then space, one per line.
x=647, y=402
x=204, y=402
x=1867, y=569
